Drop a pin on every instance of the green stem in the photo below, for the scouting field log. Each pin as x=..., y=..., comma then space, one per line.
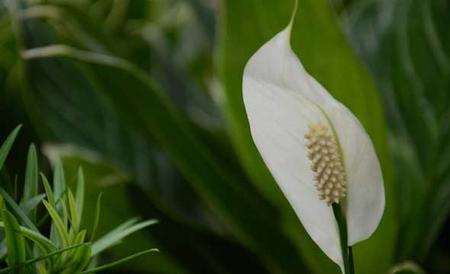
x=347, y=253
x=351, y=265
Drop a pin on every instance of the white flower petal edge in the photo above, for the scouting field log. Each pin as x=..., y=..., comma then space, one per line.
x=278, y=100
x=282, y=100
x=365, y=198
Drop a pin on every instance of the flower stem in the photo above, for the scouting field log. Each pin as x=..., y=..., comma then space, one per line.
x=351, y=265
x=347, y=253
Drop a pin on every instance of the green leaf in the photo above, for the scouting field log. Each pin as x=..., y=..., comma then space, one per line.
x=327, y=56
x=32, y=203
x=59, y=188
x=59, y=181
x=31, y=180
x=115, y=207
x=74, y=218
x=58, y=223
x=118, y=262
x=18, y=212
x=41, y=258
x=116, y=235
x=79, y=261
x=7, y=144
x=96, y=216
x=79, y=196
x=411, y=62
x=15, y=241
x=215, y=179
x=48, y=190
x=406, y=268
x=42, y=242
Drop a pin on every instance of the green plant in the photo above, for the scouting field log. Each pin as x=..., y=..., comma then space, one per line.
x=67, y=247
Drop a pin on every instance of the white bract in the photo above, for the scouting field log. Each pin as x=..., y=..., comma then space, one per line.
x=316, y=149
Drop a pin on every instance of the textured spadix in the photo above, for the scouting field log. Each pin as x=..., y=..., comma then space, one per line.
x=282, y=102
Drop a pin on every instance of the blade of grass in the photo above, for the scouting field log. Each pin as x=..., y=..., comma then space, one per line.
x=18, y=212
x=59, y=181
x=79, y=195
x=32, y=203
x=74, y=218
x=48, y=190
x=42, y=258
x=45, y=244
x=42, y=242
x=15, y=241
x=31, y=180
x=97, y=216
x=7, y=144
x=115, y=236
x=121, y=261
x=78, y=261
x=58, y=224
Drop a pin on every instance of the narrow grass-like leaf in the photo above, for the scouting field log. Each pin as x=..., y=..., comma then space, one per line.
x=15, y=241
x=58, y=223
x=80, y=260
x=97, y=216
x=117, y=229
x=6, y=146
x=74, y=218
x=115, y=236
x=121, y=261
x=48, y=190
x=41, y=241
x=406, y=267
x=59, y=181
x=45, y=244
x=79, y=194
x=17, y=211
x=41, y=258
x=77, y=239
x=31, y=180
x=32, y=203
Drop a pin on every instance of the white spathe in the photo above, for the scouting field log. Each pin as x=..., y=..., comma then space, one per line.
x=282, y=100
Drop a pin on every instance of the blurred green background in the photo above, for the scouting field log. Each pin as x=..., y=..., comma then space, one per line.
x=146, y=96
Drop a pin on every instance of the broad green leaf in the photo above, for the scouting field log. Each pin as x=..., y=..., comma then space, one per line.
x=411, y=62
x=217, y=182
x=15, y=242
x=66, y=99
x=327, y=56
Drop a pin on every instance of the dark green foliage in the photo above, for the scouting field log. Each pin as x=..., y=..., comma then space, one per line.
x=411, y=63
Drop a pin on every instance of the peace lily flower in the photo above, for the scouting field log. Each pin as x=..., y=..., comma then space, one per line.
x=316, y=149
